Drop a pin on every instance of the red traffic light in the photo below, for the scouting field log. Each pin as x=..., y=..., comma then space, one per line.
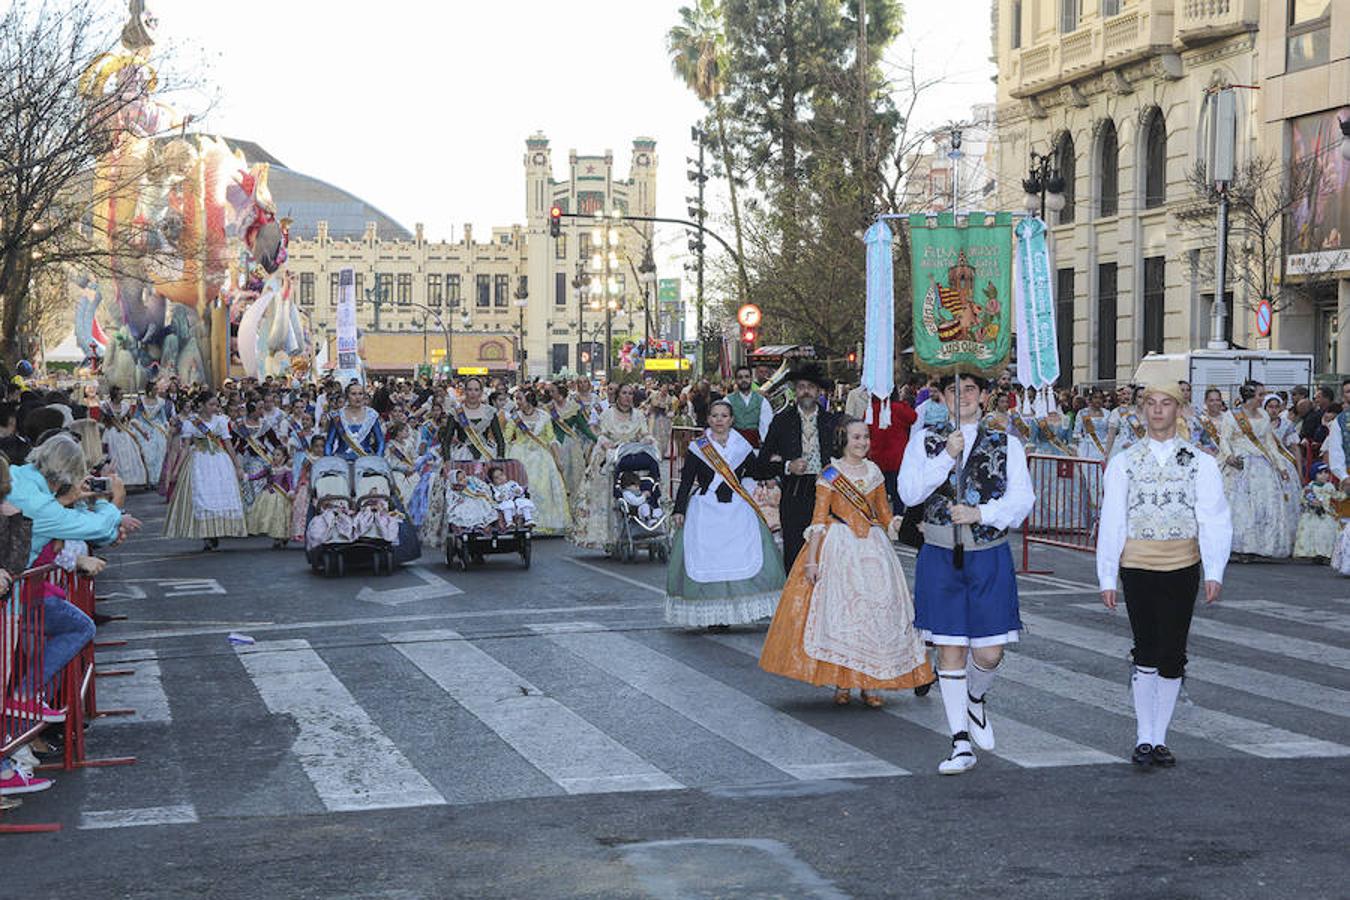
x=852, y=358
x=748, y=336
x=555, y=221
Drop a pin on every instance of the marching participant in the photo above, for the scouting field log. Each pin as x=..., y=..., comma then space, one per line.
x=1208, y=421
x=751, y=413
x=1164, y=520
x=1124, y=427
x=965, y=594
x=206, y=502
x=1262, y=483
x=123, y=436
x=1090, y=427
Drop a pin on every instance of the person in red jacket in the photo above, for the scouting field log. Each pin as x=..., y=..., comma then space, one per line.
x=888, y=444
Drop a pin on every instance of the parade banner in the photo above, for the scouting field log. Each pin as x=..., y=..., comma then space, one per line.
x=348, y=362
x=878, y=362
x=961, y=281
x=1034, y=295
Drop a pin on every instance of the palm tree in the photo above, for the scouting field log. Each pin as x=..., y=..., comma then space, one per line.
x=697, y=48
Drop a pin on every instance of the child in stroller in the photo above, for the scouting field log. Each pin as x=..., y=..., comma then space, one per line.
x=638, y=517
x=469, y=504
x=641, y=494
x=515, y=509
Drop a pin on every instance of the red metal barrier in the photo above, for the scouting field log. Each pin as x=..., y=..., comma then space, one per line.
x=22, y=628
x=1068, y=505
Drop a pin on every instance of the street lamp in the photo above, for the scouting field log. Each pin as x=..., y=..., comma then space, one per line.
x=1044, y=185
x=521, y=303
x=647, y=278
x=580, y=281
x=604, y=271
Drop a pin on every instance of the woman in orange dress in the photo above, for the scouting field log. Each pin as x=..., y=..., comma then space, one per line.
x=846, y=617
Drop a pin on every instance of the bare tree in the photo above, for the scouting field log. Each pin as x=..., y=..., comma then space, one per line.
x=1260, y=198
x=70, y=98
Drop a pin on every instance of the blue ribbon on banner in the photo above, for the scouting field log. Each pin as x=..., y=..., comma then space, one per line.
x=1036, y=332
x=878, y=373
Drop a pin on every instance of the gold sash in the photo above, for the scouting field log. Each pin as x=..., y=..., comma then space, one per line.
x=474, y=437
x=561, y=424
x=1044, y=427
x=841, y=483
x=1246, y=426
x=719, y=465
x=1092, y=433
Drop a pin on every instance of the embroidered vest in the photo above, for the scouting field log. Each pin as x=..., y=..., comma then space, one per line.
x=745, y=413
x=1160, y=498
x=984, y=478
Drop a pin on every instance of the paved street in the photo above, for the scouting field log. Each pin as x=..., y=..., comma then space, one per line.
x=541, y=733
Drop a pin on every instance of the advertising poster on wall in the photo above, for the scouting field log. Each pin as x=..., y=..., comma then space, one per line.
x=1319, y=225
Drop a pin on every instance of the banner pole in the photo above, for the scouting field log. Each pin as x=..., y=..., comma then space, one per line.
x=958, y=548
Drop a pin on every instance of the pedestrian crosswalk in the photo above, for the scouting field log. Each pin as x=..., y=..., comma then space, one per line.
x=698, y=715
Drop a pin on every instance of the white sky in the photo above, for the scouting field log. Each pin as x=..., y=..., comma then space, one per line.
x=422, y=108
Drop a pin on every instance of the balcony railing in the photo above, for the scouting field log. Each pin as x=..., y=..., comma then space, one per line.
x=1145, y=27
x=1204, y=20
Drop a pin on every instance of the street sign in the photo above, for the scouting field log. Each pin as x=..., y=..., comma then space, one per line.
x=749, y=316
x=1264, y=315
x=668, y=290
x=472, y=370
x=675, y=364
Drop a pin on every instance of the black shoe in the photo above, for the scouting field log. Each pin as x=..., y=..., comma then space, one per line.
x=1163, y=757
x=718, y=629
x=923, y=689
x=1143, y=755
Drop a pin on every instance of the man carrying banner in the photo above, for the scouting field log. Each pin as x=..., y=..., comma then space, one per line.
x=1164, y=519
x=965, y=589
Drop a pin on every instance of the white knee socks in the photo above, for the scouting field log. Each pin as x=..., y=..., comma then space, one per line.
x=978, y=678
x=1165, y=703
x=1143, y=684
x=952, y=684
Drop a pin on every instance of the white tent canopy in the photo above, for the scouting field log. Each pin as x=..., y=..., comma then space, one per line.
x=68, y=351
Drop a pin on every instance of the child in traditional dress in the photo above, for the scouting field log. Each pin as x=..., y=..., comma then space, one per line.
x=469, y=504
x=270, y=513
x=514, y=506
x=639, y=499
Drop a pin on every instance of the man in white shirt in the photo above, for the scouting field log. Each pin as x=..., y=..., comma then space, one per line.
x=965, y=587
x=1338, y=436
x=1164, y=519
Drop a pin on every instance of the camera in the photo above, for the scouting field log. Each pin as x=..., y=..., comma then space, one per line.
x=98, y=485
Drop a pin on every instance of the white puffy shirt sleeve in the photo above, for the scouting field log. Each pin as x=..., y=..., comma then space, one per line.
x=765, y=418
x=1009, y=510
x=920, y=474
x=1214, y=518
x=1111, y=529
x=1335, y=451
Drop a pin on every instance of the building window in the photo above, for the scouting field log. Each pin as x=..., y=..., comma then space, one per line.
x=1064, y=323
x=405, y=289
x=584, y=247
x=1064, y=153
x=559, y=288
x=1155, y=161
x=306, y=288
x=1109, y=202
x=1154, y=277
x=1016, y=29
x=1069, y=13
x=452, y=290
x=334, y=287
x=384, y=287
x=501, y=290
x=505, y=240
x=1110, y=8
x=360, y=287
x=1309, y=36
x=559, y=361
x=434, y=291
x=560, y=247
x=1106, y=321
x=483, y=288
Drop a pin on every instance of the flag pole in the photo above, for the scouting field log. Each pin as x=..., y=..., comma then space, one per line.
x=958, y=547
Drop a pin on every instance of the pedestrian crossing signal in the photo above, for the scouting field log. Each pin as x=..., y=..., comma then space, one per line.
x=555, y=221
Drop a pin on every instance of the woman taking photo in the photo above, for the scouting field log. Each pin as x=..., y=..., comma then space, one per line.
x=619, y=424
x=724, y=569
x=530, y=439
x=1262, y=485
x=846, y=617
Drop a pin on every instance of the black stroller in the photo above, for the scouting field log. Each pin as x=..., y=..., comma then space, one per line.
x=631, y=533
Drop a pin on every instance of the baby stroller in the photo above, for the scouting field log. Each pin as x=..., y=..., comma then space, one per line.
x=472, y=546
x=356, y=516
x=631, y=534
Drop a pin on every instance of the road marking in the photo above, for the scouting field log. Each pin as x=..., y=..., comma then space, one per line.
x=1270, y=685
x=1265, y=641
x=352, y=764
x=377, y=620
x=1018, y=743
x=181, y=587
x=601, y=570
x=433, y=587
x=577, y=756
x=183, y=814
x=1245, y=735
x=1304, y=615
x=131, y=592
x=143, y=690
x=783, y=742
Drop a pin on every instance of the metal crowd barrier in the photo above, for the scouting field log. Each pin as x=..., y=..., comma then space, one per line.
x=22, y=642
x=1068, y=505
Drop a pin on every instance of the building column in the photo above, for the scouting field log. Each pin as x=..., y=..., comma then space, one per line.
x=1343, y=325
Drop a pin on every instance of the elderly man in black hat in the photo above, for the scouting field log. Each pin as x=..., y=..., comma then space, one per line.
x=797, y=447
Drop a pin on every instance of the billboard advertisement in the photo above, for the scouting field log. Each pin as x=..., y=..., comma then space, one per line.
x=1319, y=223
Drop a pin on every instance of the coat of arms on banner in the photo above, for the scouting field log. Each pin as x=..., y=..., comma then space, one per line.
x=962, y=286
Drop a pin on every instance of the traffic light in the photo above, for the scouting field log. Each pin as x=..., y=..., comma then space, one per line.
x=555, y=221
x=852, y=358
x=748, y=336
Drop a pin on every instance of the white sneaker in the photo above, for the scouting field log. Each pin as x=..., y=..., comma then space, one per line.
x=981, y=732
x=961, y=760
x=25, y=757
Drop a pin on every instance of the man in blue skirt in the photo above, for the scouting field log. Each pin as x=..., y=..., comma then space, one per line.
x=965, y=588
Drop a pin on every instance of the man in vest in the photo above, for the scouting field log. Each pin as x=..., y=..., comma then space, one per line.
x=1164, y=520
x=797, y=447
x=965, y=587
x=750, y=412
x=1337, y=442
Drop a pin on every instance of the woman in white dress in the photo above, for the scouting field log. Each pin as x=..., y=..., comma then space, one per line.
x=1090, y=427
x=529, y=438
x=660, y=412
x=619, y=424
x=121, y=435
x=152, y=416
x=206, y=502
x=724, y=567
x=1261, y=483
x=400, y=451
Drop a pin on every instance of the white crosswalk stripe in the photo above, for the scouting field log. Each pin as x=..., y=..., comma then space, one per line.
x=1019, y=743
x=1271, y=685
x=579, y=757
x=337, y=744
x=775, y=737
x=142, y=691
x=1291, y=612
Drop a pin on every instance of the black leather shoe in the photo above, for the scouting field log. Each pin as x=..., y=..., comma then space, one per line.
x=1163, y=757
x=1143, y=755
